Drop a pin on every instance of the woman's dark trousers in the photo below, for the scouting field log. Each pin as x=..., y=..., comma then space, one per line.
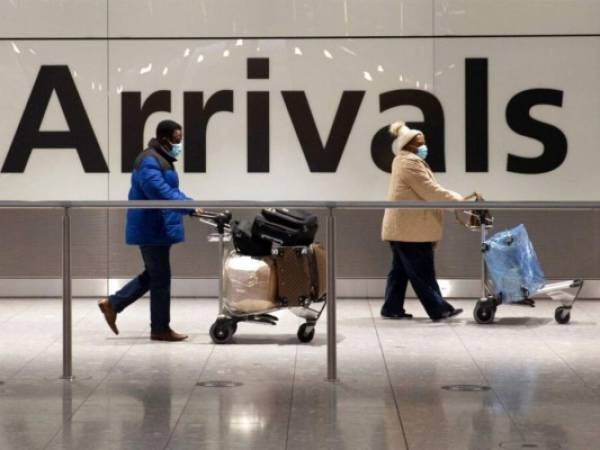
x=414, y=262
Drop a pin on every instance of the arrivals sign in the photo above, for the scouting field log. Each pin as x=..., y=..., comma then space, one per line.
x=304, y=119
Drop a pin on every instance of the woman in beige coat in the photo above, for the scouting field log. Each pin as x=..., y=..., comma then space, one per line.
x=412, y=233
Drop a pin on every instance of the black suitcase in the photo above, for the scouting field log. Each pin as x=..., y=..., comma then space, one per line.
x=247, y=244
x=273, y=232
x=286, y=226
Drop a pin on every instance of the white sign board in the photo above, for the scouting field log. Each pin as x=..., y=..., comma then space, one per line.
x=515, y=118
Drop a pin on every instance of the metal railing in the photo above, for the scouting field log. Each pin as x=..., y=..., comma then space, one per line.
x=330, y=206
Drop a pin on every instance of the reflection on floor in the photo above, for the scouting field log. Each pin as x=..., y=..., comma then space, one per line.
x=132, y=393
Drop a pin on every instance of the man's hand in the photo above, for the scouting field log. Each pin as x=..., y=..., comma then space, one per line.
x=198, y=211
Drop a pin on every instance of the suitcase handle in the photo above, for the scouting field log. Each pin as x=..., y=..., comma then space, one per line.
x=271, y=238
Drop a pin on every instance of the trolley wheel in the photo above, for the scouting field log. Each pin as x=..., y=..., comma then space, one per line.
x=221, y=331
x=233, y=327
x=562, y=314
x=484, y=312
x=306, y=332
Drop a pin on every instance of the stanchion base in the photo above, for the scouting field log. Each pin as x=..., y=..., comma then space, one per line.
x=70, y=379
x=333, y=381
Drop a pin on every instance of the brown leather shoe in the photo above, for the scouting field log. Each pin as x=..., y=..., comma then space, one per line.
x=109, y=314
x=168, y=336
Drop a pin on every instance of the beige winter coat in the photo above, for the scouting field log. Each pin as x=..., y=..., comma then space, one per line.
x=412, y=179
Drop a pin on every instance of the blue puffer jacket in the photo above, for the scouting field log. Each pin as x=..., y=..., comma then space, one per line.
x=154, y=178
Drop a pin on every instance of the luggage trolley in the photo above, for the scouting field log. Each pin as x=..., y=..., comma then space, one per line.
x=250, y=287
x=509, y=258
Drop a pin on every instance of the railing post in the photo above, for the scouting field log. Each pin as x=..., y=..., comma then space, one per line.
x=331, y=300
x=221, y=273
x=67, y=300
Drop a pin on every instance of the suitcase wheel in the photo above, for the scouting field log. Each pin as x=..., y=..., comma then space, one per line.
x=306, y=332
x=484, y=312
x=562, y=314
x=222, y=331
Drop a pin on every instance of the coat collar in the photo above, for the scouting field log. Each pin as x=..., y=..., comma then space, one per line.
x=410, y=155
x=161, y=149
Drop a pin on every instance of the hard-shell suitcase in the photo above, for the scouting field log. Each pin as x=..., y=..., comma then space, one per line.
x=246, y=243
x=286, y=226
x=297, y=276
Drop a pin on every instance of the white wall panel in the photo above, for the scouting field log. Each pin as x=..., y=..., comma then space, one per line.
x=321, y=68
x=503, y=17
x=514, y=65
x=53, y=18
x=53, y=174
x=270, y=17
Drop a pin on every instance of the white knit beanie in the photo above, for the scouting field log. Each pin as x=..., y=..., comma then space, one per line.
x=403, y=135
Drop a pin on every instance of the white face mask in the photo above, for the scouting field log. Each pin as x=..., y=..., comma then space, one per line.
x=176, y=150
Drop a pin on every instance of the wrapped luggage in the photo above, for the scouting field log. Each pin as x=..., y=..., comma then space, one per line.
x=512, y=265
x=249, y=284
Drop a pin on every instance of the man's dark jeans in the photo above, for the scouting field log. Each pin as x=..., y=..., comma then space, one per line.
x=413, y=261
x=157, y=278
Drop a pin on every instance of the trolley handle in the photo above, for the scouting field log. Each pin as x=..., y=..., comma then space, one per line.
x=220, y=221
x=477, y=217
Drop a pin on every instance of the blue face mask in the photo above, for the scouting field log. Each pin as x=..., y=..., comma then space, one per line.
x=176, y=150
x=422, y=152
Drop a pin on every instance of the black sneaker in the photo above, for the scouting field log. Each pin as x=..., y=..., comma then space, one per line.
x=448, y=314
x=396, y=316
x=455, y=312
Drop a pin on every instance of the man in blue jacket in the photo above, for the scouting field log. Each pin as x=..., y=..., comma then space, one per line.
x=154, y=231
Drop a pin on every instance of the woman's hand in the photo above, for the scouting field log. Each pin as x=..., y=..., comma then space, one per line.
x=474, y=196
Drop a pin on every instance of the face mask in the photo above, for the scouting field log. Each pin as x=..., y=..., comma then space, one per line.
x=422, y=151
x=176, y=150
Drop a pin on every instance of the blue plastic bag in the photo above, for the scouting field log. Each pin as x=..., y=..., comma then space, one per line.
x=513, y=266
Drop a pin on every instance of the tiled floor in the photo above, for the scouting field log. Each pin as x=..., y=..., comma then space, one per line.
x=131, y=393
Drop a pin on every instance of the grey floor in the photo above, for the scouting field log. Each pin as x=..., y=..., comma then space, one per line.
x=132, y=393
